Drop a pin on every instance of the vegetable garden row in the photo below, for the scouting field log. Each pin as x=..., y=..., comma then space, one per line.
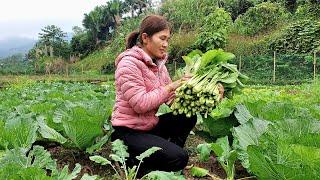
x=273, y=131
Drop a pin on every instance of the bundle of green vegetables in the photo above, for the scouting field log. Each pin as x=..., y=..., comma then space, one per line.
x=209, y=70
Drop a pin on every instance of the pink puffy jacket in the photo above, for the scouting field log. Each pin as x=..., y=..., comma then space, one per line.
x=139, y=89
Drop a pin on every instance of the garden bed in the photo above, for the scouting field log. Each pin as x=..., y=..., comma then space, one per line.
x=67, y=156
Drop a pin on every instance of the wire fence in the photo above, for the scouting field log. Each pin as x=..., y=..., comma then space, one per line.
x=277, y=69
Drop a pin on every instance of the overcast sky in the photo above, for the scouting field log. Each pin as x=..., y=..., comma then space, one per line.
x=25, y=18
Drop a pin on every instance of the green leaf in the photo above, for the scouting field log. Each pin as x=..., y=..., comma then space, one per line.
x=147, y=153
x=260, y=165
x=224, y=109
x=83, y=124
x=132, y=172
x=100, y=143
x=189, y=64
x=32, y=173
x=242, y=114
x=248, y=134
x=2, y=153
x=116, y=158
x=204, y=150
x=99, y=159
x=230, y=79
x=225, y=57
x=230, y=170
x=220, y=127
x=310, y=156
x=21, y=131
x=231, y=67
x=17, y=165
x=162, y=175
x=163, y=109
x=208, y=57
x=42, y=158
x=49, y=133
x=10, y=171
x=64, y=175
x=120, y=151
x=225, y=155
x=194, y=53
x=15, y=156
x=221, y=147
x=88, y=177
x=199, y=172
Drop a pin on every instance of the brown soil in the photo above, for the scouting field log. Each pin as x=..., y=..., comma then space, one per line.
x=70, y=157
x=66, y=156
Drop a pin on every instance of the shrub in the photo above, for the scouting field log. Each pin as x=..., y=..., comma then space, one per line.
x=262, y=17
x=186, y=14
x=82, y=44
x=50, y=65
x=181, y=44
x=300, y=37
x=308, y=10
x=246, y=45
x=214, y=30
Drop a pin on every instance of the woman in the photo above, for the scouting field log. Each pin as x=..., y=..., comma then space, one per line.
x=142, y=85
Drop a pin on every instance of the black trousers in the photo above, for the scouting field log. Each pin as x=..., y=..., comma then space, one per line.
x=170, y=134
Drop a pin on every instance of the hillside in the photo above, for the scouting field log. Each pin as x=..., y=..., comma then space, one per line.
x=254, y=29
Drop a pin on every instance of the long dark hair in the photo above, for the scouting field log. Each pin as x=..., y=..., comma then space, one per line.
x=150, y=25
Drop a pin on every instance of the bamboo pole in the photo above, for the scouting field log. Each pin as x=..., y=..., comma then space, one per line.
x=274, y=67
x=314, y=65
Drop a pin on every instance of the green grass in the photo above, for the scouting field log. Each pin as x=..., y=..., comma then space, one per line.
x=88, y=76
x=95, y=61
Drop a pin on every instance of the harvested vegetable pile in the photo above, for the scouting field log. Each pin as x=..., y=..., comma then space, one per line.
x=209, y=71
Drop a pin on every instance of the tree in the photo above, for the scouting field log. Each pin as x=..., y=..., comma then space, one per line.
x=98, y=23
x=51, y=34
x=116, y=10
x=51, y=39
x=51, y=43
x=136, y=6
x=235, y=7
x=77, y=30
x=82, y=44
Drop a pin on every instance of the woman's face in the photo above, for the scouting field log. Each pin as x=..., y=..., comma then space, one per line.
x=156, y=45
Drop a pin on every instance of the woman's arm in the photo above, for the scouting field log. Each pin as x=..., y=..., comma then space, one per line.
x=132, y=86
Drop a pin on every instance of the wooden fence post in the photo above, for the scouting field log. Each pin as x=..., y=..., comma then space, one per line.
x=175, y=66
x=314, y=65
x=67, y=70
x=82, y=69
x=274, y=67
x=240, y=64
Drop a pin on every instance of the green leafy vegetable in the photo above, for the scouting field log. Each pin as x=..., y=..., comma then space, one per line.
x=163, y=109
x=199, y=172
x=211, y=71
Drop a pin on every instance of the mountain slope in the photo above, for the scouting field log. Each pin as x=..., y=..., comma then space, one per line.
x=14, y=45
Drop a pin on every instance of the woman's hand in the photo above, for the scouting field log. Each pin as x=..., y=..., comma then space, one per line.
x=174, y=85
x=186, y=77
